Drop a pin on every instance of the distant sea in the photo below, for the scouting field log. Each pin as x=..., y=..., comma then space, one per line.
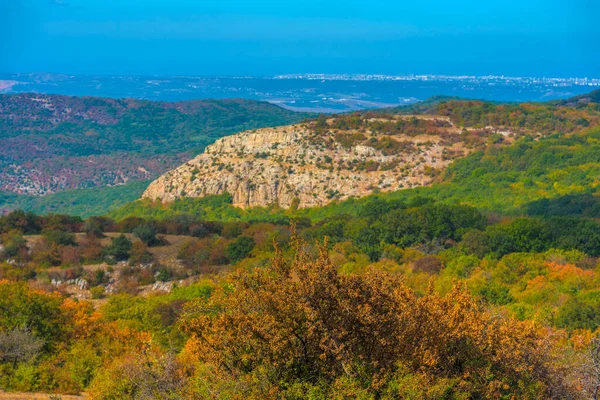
x=302, y=93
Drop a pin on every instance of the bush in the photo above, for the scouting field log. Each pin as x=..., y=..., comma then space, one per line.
x=139, y=254
x=163, y=274
x=59, y=238
x=12, y=245
x=148, y=375
x=119, y=248
x=147, y=234
x=240, y=248
x=428, y=264
x=97, y=292
x=309, y=324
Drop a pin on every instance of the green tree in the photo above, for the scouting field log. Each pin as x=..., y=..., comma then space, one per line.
x=59, y=237
x=240, y=248
x=12, y=244
x=119, y=248
x=147, y=234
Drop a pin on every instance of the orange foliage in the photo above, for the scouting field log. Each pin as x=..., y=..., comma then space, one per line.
x=85, y=321
x=304, y=321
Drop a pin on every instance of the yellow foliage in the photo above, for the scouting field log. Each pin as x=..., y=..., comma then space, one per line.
x=304, y=321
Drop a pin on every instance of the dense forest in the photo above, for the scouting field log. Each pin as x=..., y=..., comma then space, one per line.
x=484, y=285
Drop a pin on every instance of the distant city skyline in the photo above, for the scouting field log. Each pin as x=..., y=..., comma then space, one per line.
x=335, y=76
x=303, y=92
x=537, y=38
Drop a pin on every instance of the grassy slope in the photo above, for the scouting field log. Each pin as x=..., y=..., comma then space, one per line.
x=82, y=202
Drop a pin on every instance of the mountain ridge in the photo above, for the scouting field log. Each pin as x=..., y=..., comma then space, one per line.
x=354, y=155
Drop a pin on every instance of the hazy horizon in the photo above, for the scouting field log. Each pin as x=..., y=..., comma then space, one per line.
x=312, y=74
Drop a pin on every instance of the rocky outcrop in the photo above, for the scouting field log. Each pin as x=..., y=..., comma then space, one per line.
x=308, y=165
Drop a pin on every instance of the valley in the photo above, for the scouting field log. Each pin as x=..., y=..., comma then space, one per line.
x=447, y=249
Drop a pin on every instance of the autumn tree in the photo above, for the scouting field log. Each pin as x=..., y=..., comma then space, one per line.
x=300, y=322
x=144, y=376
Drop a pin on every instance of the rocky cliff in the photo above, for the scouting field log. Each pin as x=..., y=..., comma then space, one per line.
x=316, y=162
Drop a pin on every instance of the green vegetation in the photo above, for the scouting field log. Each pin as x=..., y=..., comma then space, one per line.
x=104, y=126
x=83, y=202
x=485, y=285
x=514, y=179
x=288, y=324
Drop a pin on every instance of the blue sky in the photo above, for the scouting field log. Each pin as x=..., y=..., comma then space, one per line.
x=234, y=37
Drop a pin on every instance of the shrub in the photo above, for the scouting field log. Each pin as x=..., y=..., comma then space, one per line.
x=240, y=248
x=119, y=248
x=428, y=264
x=303, y=323
x=59, y=238
x=147, y=234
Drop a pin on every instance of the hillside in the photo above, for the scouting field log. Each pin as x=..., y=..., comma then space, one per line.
x=557, y=175
x=484, y=284
x=53, y=143
x=325, y=160
x=313, y=163
x=405, y=286
x=81, y=202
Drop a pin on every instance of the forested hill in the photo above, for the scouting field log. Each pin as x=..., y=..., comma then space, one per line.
x=581, y=100
x=332, y=159
x=52, y=143
x=79, y=142
x=482, y=112
x=538, y=158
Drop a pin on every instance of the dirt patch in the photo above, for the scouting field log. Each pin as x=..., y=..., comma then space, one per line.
x=38, y=396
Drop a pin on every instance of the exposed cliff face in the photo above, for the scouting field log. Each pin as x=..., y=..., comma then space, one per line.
x=315, y=163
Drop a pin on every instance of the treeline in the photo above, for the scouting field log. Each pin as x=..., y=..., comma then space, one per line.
x=375, y=228
x=71, y=242
x=543, y=118
x=436, y=226
x=385, y=123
